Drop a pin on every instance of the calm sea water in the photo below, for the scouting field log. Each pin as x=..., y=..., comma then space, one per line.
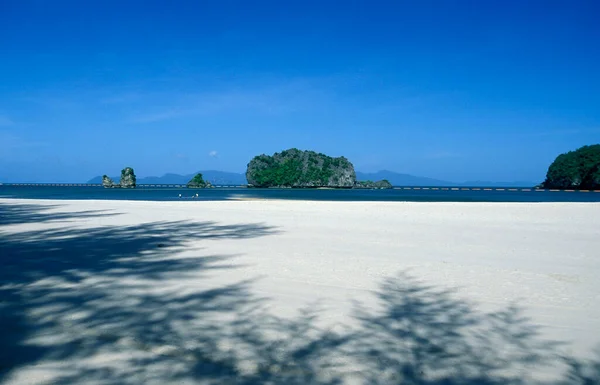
x=172, y=194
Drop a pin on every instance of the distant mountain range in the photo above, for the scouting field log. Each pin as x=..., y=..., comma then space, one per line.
x=518, y=183
x=396, y=179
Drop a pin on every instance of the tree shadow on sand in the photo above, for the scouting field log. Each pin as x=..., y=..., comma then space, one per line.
x=88, y=292
x=122, y=305
x=583, y=372
x=11, y=214
x=427, y=335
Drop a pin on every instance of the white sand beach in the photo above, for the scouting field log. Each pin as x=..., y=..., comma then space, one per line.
x=101, y=292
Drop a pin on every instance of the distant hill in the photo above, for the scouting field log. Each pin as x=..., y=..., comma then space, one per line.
x=168, y=178
x=396, y=179
x=212, y=176
x=579, y=170
x=98, y=179
x=479, y=183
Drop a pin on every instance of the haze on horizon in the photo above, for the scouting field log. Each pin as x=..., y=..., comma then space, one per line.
x=453, y=90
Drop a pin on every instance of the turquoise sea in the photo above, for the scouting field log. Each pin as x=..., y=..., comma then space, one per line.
x=410, y=194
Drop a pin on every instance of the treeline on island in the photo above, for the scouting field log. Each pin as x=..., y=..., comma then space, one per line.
x=294, y=168
x=577, y=170
x=198, y=182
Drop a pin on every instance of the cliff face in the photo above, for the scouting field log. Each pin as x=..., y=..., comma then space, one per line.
x=107, y=182
x=579, y=169
x=128, y=179
x=295, y=168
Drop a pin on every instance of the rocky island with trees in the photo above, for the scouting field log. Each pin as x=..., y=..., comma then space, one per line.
x=294, y=168
x=198, y=182
x=128, y=179
x=576, y=170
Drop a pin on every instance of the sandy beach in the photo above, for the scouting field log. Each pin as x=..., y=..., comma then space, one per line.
x=252, y=292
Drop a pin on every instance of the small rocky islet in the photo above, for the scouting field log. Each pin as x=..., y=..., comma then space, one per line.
x=198, y=182
x=128, y=179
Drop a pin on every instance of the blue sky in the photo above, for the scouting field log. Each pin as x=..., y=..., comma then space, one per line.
x=455, y=90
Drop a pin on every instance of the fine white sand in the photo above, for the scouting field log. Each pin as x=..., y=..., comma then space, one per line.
x=329, y=257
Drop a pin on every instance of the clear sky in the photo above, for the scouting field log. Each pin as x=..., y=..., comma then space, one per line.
x=454, y=90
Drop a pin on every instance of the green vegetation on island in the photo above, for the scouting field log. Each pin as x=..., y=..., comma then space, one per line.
x=579, y=169
x=128, y=179
x=198, y=182
x=382, y=184
x=294, y=168
x=108, y=182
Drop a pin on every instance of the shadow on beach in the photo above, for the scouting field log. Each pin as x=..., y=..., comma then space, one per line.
x=92, y=305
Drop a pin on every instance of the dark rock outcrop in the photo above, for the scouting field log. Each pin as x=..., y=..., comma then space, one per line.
x=107, y=182
x=128, y=179
x=198, y=182
x=381, y=184
x=296, y=168
x=579, y=169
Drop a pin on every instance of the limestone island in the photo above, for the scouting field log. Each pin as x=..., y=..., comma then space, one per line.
x=294, y=168
x=198, y=182
x=128, y=180
x=577, y=170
